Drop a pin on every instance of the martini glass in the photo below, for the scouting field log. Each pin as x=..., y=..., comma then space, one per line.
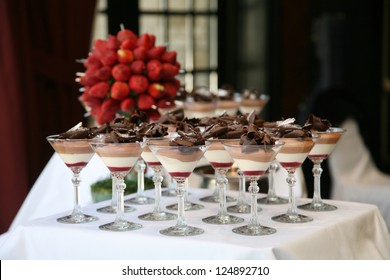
x=179, y=162
x=158, y=214
x=271, y=197
x=253, y=160
x=324, y=145
x=253, y=103
x=112, y=208
x=76, y=153
x=140, y=198
x=221, y=161
x=119, y=158
x=242, y=205
x=291, y=157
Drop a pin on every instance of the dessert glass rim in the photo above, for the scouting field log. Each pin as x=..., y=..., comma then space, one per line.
x=56, y=137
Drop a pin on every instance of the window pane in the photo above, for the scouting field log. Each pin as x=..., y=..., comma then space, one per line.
x=201, y=5
x=151, y=5
x=178, y=5
x=154, y=25
x=201, y=79
x=201, y=42
x=177, y=35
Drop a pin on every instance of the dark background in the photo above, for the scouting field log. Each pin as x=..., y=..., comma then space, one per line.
x=322, y=56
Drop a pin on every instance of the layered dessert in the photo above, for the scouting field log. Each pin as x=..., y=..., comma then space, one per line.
x=201, y=102
x=327, y=137
x=227, y=101
x=253, y=101
x=119, y=149
x=73, y=147
x=254, y=152
x=180, y=155
x=298, y=143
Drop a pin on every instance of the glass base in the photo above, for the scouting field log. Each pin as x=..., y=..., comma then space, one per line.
x=189, y=206
x=158, y=216
x=318, y=207
x=241, y=208
x=292, y=219
x=168, y=192
x=112, y=209
x=272, y=200
x=182, y=231
x=223, y=220
x=120, y=226
x=140, y=200
x=254, y=230
x=77, y=219
x=215, y=199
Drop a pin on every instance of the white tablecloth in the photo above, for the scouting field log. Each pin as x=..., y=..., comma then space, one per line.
x=354, y=231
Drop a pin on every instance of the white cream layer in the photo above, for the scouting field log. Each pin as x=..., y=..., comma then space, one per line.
x=322, y=149
x=298, y=157
x=119, y=161
x=75, y=158
x=175, y=165
x=220, y=156
x=149, y=157
x=250, y=165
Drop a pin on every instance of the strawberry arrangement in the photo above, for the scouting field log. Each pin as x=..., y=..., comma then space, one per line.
x=125, y=73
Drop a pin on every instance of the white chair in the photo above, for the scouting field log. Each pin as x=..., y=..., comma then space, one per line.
x=354, y=173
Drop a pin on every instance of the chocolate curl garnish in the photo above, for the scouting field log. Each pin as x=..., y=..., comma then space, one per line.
x=317, y=124
x=172, y=116
x=78, y=132
x=153, y=130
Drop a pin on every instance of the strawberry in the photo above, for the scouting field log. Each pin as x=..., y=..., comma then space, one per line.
x=126, y=34
x=119, y=90
x=146, y=41
x=99, y=90
x=152, y=39
x=128, y=44
x=127, y=104
x=110, y=106
x=125, y=56
x=108, y=58
x=154, y=70
x=89, y=79
x=92, y=62
x=140, y=53
x=104, y=117
x=165, y=103
x=170, y=89
x=121, y=72
x=156, y=90
x=104, y=73
x=156, y=52
x=89, y=100
x=169, y=70
x=112, y=43
x=100, y=45
x=138, y=67
x=153, y=114
x=169, y=57
x=145, y=102
x=138, y=83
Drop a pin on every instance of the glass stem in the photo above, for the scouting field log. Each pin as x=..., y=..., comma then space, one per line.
x=271, y=185
x=253, y=189
x=292, y=209
x=186, y=199
x=222, y=182
x=76, y=183
x=120, y=188
x=141, y=166
x=241, y=189
x=216, y=189
x=157, y=180
x=317, y=171
x=114, y=198
x=180, y=190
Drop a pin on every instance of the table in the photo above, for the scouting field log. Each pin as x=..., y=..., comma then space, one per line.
x=354, y=231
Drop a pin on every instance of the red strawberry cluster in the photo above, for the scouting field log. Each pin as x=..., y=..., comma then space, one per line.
x=126, y=73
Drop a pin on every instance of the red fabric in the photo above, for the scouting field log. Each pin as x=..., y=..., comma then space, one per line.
x=40, y=41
